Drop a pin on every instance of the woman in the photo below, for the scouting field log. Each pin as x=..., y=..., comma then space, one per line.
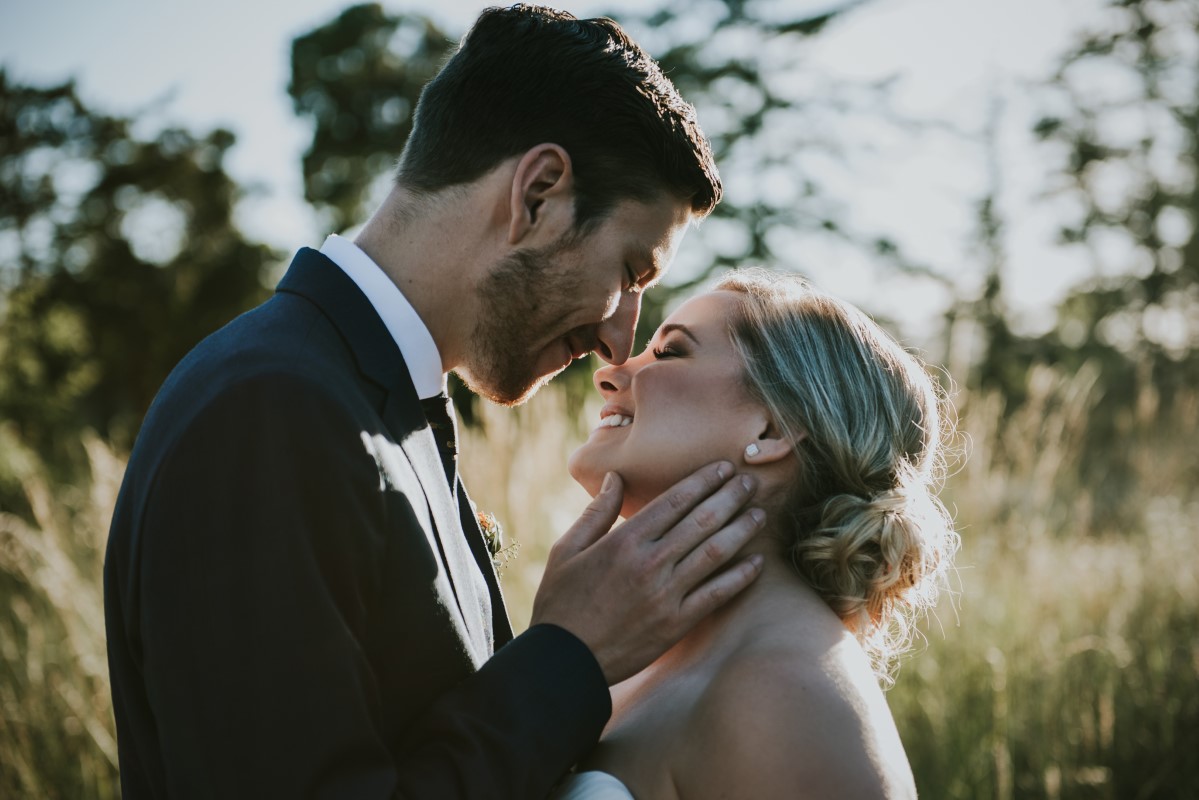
x=777, y=694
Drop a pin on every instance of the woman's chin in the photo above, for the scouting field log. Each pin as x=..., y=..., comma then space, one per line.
x=584, y=472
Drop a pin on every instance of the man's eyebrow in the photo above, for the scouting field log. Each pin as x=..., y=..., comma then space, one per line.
x=683, y=329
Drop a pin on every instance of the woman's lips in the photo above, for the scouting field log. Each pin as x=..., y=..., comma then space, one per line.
x=615, y=421
x=614, y=418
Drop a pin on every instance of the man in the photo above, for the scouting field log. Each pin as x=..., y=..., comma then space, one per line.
x=299, y=600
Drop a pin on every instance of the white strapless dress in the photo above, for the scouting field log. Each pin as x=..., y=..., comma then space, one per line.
x=591, y=785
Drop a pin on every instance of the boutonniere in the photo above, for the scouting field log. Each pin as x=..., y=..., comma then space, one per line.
x=493, y=535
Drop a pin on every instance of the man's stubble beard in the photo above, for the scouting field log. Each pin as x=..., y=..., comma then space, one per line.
x=521, y=300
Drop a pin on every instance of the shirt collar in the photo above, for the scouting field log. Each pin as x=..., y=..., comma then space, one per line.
x=403, y=323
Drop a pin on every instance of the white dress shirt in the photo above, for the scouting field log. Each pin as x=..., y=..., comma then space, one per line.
x=403, y=323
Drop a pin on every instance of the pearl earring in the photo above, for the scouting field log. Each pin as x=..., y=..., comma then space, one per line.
x=752, y=450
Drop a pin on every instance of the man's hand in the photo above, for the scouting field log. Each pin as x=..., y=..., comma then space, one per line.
x=630, y=592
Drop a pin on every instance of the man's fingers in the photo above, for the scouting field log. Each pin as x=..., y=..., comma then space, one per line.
x=666, y=510
x=709, y=517
x=720, y=589
x=597, y=518
x=718, y=549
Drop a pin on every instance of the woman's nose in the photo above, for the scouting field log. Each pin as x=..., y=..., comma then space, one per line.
x=610, y=378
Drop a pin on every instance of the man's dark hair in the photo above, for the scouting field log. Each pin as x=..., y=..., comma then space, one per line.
x=526, y=75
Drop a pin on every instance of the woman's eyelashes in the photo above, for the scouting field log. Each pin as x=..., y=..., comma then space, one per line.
x=668, y=350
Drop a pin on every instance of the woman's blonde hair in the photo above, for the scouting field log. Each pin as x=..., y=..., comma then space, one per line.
x=869, y=427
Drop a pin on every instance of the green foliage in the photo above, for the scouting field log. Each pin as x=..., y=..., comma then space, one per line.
x=1125, y=119
x=124, y=255
x=358, y=79
x=1154, y=214
x=1125, y=128
x=740, y=70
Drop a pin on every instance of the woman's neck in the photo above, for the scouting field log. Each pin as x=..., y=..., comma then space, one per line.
x=779, y=605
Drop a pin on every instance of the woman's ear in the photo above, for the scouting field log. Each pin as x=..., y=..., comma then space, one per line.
x=770, y=446
x=541, y=199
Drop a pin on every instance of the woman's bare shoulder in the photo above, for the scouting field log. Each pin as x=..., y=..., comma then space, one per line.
x=780, y=719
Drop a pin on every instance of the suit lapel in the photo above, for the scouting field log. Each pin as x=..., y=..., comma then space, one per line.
x=501, y=627
x=378, y=358
x=421, y=448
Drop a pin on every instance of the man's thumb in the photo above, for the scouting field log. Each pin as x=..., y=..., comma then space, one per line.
x=599, y=516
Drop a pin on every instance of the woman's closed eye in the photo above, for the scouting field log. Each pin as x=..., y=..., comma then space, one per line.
x=668, y=351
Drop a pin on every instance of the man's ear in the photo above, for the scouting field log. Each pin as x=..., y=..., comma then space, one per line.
x=542, y=195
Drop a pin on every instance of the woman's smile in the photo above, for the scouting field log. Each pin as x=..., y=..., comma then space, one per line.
x=612, y=416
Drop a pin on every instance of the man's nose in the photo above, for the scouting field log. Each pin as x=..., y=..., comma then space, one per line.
x=615, y=334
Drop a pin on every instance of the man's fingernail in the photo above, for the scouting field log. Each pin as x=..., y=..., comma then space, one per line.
x=757, y=560
x=759, y=515
x=747, y=482
x=724, y=469
x=607, y=483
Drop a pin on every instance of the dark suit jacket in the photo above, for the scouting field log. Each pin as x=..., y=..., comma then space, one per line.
x=297, y=606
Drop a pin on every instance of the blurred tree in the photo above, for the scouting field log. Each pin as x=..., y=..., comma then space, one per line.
x=1126, y=121
x=358, y=79
x=770, y=119
x=1124, y=124
x=119, y=254
x=994, y=356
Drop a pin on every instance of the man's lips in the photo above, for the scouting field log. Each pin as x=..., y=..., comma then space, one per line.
x=578, y=349
x=568, y=351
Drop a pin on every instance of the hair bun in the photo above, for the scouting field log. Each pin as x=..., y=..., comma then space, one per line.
x=870, y=555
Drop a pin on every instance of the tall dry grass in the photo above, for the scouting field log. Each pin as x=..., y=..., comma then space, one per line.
x=57, y=735
x=1066, y=666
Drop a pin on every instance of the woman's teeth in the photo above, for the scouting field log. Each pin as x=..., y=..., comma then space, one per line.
x=615, y=421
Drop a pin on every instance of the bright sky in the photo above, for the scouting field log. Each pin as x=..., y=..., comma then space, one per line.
x=225, y=63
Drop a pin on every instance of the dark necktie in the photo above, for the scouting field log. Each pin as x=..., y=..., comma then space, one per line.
x=439, y=411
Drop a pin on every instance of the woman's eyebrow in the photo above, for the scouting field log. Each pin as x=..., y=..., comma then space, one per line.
x=683, y=329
